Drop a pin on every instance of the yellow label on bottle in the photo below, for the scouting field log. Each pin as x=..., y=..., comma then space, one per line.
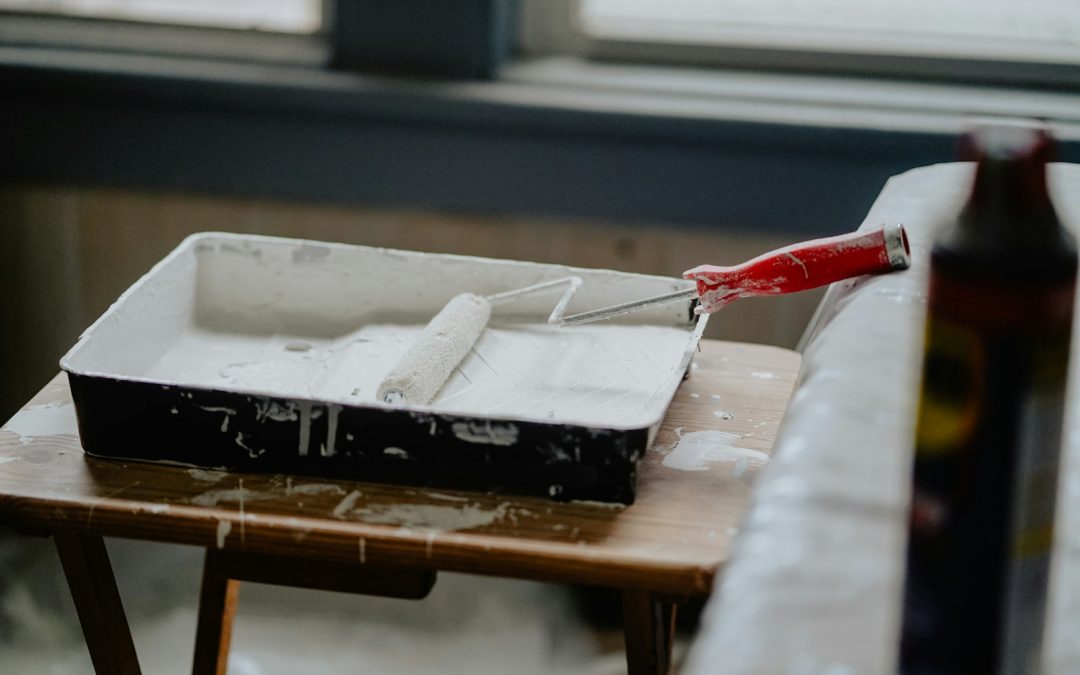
x=952, y=387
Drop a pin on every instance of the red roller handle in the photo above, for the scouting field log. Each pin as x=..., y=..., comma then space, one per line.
x=800, y=267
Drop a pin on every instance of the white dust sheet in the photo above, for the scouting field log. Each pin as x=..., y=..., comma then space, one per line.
x=815, y=580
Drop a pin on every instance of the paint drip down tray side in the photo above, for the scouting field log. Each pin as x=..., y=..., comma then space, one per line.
x=267, y=353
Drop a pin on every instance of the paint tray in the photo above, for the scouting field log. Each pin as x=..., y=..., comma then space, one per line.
x=263, y=354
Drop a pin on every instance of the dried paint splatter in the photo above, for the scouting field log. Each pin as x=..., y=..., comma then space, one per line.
x=432, y=516
x=224, y=527
x=50, y=419
x=695, y=451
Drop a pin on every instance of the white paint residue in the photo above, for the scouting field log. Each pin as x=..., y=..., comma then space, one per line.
x=433, y=516
x=50, y=419
x=800, y=263
x=229, y=412
x=723, y=414
x=613, y=506
x=224, y=527
x=243, y=539
x=206, y=476
x=486, y=432
x=239, y=440
x=695, y=451
x=271, y=410
x=310, y=253
x=347, y=504
x=449, y=498
x=313, y=489
x=331, y=430
x=305, y=427
x=215, y=497
x=762, y=375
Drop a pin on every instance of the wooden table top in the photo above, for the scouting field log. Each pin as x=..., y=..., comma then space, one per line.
x=672, y=540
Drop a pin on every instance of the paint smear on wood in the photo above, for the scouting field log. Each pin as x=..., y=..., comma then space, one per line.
x=51, y=419
x=224, y=527
x=697, y=450
x=431, y=516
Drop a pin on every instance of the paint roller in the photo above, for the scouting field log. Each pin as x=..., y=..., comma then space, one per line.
x=427, y=365
x=798, y=267
x=449, y=336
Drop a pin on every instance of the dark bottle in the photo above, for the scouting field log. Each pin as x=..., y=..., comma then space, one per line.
x=988, y=438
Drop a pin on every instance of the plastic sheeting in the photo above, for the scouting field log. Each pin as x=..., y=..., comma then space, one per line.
x=814, y=584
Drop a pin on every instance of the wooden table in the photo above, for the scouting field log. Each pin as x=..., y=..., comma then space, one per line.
x=391, y=540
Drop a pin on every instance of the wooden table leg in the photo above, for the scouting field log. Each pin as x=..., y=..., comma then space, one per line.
x=649, y=630
x=97, y=601
x=217, y=606
x=224, y=570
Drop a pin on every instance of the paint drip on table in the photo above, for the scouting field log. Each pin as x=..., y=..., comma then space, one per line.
x=698, y=450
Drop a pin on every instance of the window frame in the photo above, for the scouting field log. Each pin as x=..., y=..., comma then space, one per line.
x=82, y=34
x=551, y=27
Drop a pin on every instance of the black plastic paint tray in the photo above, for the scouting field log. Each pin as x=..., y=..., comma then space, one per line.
x=263, y=354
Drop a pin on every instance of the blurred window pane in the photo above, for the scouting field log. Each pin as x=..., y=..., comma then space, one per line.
x=281, y=16
x=1027, y=29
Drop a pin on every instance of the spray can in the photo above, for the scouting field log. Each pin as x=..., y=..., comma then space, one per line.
x=990, y=418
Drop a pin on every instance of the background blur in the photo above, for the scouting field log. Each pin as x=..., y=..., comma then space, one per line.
x=634, y=135
x=647, y=137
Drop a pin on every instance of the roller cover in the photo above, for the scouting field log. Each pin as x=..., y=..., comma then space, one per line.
x=444, y=342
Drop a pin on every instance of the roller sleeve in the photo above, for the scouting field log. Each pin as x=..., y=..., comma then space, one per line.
x=442, y=345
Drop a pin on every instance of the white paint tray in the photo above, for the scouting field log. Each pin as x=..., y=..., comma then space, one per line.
x=264, y=354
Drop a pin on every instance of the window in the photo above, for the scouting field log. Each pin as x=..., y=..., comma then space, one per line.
x=1048, y=29
x=1031, y=42
x=283, y=16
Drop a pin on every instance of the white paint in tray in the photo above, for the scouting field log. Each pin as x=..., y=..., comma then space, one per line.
x=608, y=375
